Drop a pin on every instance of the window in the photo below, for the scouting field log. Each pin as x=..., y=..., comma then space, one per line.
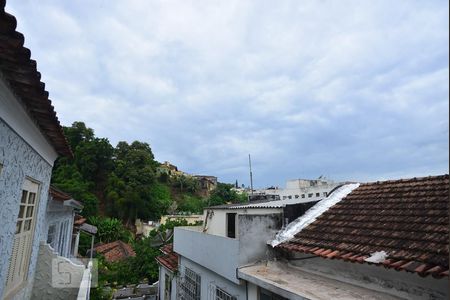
x=268, y=295
x=284, y=197
x=231, y=225
x=310, y=195
x=297, y=196
x=62, y=241
x=289, y=197
x=317, y=194
x=222, y=295
x=324, y=194
x=23, y=239
x=303, y=195
x=167, y=287
x=190, y=285
x=51, y=236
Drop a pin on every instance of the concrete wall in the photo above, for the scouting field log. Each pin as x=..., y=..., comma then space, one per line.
x=254, y=232
x=20, y=161
x=217, y=222
x=210, y=280
x=397, y=283
x=162, y=283
x=218, y=254
x=45, y=286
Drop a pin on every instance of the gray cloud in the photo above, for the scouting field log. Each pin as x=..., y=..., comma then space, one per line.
x=349, y=89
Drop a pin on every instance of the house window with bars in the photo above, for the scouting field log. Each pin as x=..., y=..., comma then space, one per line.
x=190, y=285
x=222, y=295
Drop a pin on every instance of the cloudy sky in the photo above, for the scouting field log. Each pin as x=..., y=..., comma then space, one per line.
x=353, y=90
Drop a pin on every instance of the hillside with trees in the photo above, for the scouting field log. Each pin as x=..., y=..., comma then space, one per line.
x=122, y=181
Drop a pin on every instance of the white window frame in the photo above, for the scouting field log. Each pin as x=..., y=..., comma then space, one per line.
x=23, y=237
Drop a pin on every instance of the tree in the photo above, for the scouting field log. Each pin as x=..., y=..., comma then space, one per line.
x=224, y=194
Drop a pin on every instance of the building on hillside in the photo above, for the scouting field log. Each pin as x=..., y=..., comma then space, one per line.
x=31, y=139
x=190, y=219
x=144, y=228
x=381, y=240
x=207, y=184
x=305, y=190
x=169, y=169
x=168, y=268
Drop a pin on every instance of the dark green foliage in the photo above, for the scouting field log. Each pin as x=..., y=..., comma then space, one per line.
x=191, y=204
x=110, y=230
x=223, y=194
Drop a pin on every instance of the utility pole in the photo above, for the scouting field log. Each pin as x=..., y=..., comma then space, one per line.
x=251, y=175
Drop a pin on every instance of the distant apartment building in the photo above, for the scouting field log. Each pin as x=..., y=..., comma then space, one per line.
x=299, y=190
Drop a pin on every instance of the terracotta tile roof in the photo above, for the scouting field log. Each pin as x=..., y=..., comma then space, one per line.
x=79, y=220
x=406, y=218
x=115, y=251
x=58, y=194
x=20, y=73
x=169, y=259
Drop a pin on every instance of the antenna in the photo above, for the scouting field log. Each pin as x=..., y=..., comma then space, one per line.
x=251, y=175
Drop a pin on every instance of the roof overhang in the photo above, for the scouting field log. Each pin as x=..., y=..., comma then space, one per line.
x=293, y=283
x=73, y=203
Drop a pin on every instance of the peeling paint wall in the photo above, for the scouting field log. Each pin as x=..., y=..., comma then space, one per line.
x=19, y=161
x=217, y=222
x=254, y=233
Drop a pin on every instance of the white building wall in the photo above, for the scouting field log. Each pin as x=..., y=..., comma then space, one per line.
x=14, y=114
x=217, y=223
x=162, y=283
x=210, y=279
x=24, y=153
x=58, y=214
x=20, y=161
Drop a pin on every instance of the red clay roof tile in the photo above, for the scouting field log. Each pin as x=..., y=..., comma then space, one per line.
x=407, y=218
x=169, y=259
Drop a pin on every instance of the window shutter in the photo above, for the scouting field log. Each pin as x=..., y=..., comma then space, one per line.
x=23, y=239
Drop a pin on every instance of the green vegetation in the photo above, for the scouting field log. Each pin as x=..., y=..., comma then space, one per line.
x=224, y=194
x=119, y=184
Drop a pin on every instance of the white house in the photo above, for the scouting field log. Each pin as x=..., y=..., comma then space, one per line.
x=381, y=240
x=232, y=235
x=31, y=139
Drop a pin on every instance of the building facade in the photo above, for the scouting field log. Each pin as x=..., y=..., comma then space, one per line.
x=31, y=139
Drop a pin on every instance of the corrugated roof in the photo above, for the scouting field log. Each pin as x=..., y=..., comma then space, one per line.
x=406, y=218
x=262, y=204
x=20, y=73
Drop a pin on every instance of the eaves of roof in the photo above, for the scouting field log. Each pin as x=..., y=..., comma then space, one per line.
x=20, y=73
